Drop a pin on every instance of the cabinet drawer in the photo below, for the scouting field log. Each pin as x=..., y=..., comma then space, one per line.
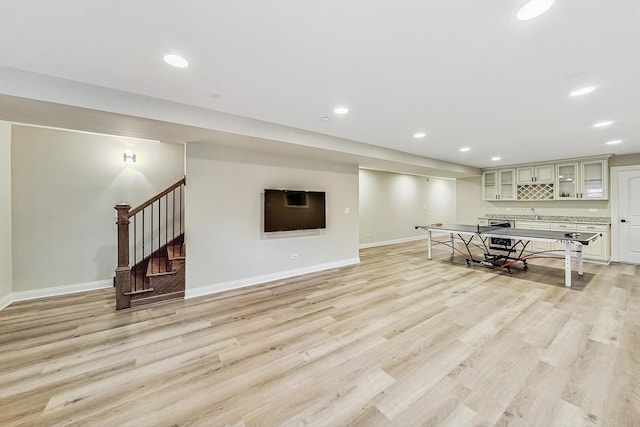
x=532, y=225
x=562, y=226
x=592, y=227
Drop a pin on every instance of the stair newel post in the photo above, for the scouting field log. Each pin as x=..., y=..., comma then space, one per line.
x=123, y=270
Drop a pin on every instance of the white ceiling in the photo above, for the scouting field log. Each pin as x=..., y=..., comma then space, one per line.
x=467, y=73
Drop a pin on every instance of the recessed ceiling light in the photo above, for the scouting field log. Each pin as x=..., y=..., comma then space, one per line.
x=464, y=149
x=324, y=118
x=176, y=60
x=602, y=124
x=582, y=91
x=418, y=135
x=533, y=9
x=496, y=158
x=614, y=142
x=341, y=110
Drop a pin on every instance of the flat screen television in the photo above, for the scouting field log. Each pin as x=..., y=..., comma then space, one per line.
x=289, y=210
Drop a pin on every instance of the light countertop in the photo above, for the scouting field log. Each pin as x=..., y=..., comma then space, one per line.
x=552, y=218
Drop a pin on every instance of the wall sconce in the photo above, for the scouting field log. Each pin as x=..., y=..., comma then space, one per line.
x=129, y=157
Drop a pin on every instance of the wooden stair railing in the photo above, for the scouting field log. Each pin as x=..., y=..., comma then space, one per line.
x=157, y=227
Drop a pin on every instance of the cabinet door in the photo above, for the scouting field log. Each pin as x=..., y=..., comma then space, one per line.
x=567, y=181
x=507, y=181
x=490, y=185
x=593, y=180
x=525, y=175
x=597, y=249
x=544, y=173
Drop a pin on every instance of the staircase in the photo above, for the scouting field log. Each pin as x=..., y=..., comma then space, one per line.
x=160, y=277
x=151, y=250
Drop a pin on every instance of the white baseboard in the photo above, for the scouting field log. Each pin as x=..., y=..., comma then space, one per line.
x=54, y=291
x=5, y=301
x=236, y=284
x=392, y=242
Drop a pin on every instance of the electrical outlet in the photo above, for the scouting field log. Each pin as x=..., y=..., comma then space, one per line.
x=294, y=256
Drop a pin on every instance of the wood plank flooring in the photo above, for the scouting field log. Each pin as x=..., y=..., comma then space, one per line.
x=395, y=341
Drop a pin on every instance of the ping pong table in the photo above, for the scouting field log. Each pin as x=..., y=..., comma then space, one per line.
x=514, y=251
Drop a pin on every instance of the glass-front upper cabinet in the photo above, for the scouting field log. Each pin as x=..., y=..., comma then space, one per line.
x=594, y=183
x=499, y=184
x=507, y=184
x=490, y=185
x=567, y=174
x=583, y=180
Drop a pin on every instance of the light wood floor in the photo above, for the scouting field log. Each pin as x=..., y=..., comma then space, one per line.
x=397, y=340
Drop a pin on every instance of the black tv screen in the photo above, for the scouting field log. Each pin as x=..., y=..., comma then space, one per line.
x=288, y=210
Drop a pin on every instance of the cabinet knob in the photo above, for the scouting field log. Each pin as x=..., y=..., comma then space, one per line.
x=623, y=220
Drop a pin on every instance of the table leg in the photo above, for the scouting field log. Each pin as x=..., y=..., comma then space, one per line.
x=567, y=264
x=429, y=242
x=580, y=263
x=453, y=248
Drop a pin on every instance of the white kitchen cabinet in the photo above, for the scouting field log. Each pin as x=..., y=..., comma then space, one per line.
x=576, y=179
x=593, y=179
x=535, y=246
x=599, y=248
x=499, y=184
x=582, y=180
x=567, y=181
x=535, y=174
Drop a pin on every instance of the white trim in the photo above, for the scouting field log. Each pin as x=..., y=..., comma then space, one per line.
x=242, y=283
x=55, y=291
x=615, y=170
x=392, y=242
x=5, y=301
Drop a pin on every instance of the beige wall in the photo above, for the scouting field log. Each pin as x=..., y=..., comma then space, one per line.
x=392, y=204
x=469, y=203
x=625, y=160
x=224, y=237
x=64, y=187
x=5, y=211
